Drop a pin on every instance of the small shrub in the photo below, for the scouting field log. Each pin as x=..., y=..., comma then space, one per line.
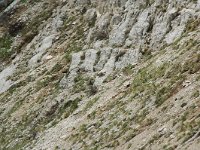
x=198, y=78
x=56, y=68
x=175, y=70
x=23, y=1
x=141, y=116
x=128, y=70
x=91, y=103
x=69, y=107
x=192, y=25
x=42, y=83
x=195, y=94
x=5, y=47
x=146, y=53
x=162, y=95
x=80, y=84
x=192, y=65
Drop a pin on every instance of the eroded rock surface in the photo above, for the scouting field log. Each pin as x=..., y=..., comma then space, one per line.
x=96, y=74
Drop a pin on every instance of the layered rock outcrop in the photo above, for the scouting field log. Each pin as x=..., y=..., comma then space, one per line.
x=96, y=74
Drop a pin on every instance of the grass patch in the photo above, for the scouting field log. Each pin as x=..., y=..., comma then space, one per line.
x=91, y=103
x=5, y=47
x=192, y=65
x=195, y=94
x=69, y=107
x=128, y=70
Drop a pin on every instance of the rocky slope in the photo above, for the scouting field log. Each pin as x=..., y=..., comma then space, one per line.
x=89, y=74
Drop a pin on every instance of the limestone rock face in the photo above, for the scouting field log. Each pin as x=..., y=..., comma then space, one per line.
x=46, y=43
x=5, y=84
x=91, y=15
x=99, y=74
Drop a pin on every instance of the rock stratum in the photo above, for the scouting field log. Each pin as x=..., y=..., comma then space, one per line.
x=96, y=74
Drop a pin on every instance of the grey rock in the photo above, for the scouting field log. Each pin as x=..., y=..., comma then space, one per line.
x=178, y=25
x=130, y=57
x=45, y=44
x=119, y=33
x=162, y=26
x=103, y=58
x=91, y=15
x=140, y=28
x=116, y=19
x=90, y=59
x=107, y=69
x=68, y=81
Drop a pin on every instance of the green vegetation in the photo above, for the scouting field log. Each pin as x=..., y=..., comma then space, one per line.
x=146, y=81
x=51, y=81
x=146, y=54
x=84, y=84
x=23, y=1
x=68, y=22
x=152, y=84
x=42, y=83
x=195, y=94
x=116, y=120
x=187, y=128
x=69, y=107
x=140, y=116
x=192, y=65
x=128, y=70
x=192, y=25
x=162, y=95
x=90, y=103
x=5, y=47
x=132, y=133
x=14, y=87
x=73, y=48
x=80, y=84
x=76, y=25
x=56, y=68
x=40, y=17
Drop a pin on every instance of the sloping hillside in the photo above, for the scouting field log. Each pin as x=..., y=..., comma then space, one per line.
x=95, y=74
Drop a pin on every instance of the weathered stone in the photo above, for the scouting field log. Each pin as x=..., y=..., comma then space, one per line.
x=104, y=55
x=45, y=44
x=130, y=57
x=91, y=16
x=89, y=61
